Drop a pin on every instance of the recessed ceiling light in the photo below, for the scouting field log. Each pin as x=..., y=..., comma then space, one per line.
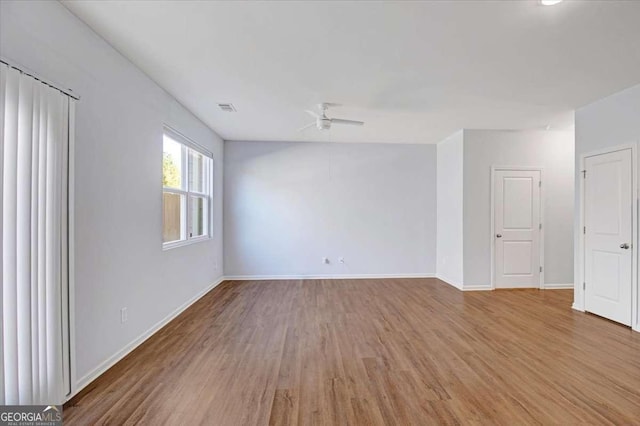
x=549, y=2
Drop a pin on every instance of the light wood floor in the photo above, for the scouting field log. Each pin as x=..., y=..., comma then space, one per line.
x=396, y=351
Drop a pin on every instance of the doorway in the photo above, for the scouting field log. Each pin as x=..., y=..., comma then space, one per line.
x=608, y=223
x=517, y=227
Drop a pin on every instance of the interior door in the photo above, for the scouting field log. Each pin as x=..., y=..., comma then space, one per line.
x=608, y=207
x=517, y=228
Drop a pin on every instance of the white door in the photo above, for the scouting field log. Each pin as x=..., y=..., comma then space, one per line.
x=517, y=228
x=608, y=206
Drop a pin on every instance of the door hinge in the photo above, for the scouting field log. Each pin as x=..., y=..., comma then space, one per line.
x=539, y=184
x=584, y=286
x=584, y=174
x=541, y=269
x=540, y=226
x=584, y=229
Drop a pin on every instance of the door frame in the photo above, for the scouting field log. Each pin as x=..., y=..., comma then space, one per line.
x=495, y=169
x=579, y=286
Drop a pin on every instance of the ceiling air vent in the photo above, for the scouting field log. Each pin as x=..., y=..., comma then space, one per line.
x=227, y=107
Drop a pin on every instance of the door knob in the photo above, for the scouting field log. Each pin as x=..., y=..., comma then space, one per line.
x=624, y=246
x=498, y=235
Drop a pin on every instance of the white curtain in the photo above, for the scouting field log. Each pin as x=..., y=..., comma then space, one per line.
x=34, y=132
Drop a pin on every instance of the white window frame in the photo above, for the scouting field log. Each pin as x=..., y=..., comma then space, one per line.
x=186, y=219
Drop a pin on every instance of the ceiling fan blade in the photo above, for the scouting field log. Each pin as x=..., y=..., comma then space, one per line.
x=350, y=122
x=307, y=126
x=312, y=113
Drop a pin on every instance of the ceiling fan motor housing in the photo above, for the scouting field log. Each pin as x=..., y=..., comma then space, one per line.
x=324, y=123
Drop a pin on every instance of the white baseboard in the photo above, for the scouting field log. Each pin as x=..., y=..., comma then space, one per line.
x=465, y=287
x=325, y=277
x=451, y=282
x=577, y=308
x=486, y=287
x=477, y=287
x=112, y=360
x=462, y=286
x=561, y=286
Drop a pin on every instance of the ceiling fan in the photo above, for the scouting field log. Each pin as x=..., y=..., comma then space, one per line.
x=323, y=122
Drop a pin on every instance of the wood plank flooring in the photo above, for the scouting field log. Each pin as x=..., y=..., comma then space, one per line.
x=373, y=352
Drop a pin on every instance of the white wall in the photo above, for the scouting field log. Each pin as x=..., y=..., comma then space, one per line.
x=608, y=122
x=449, y=265
x=551, y=150
x=118, y=155
x=287, y=205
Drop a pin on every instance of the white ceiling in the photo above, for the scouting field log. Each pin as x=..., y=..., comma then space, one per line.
x=414, y=71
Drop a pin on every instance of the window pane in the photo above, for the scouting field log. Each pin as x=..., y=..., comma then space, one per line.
x=198, y=216
x=196, y=171
x=172, y=163
x=172, y=211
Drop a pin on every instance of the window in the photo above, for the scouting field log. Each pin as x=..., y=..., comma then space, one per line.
x=186, y=197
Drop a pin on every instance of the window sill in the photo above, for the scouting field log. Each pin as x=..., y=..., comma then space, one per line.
x=182, y=243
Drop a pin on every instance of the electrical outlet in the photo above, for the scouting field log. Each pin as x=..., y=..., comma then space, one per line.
x=124, y=315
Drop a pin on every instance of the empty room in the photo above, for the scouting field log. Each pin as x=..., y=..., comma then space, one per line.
x=319, y=212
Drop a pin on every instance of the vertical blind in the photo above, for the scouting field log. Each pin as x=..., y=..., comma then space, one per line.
x=34, y=132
